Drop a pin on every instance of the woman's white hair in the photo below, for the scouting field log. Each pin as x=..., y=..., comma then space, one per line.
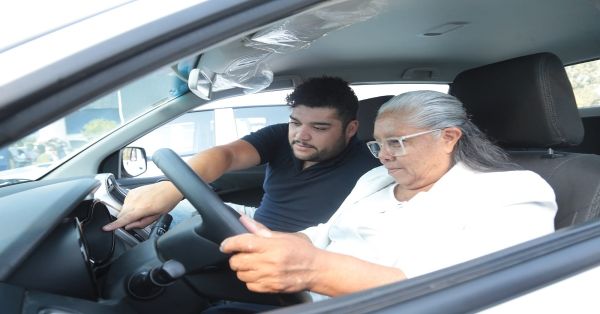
x=434, y=110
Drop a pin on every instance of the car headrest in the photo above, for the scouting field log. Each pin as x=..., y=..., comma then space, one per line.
x=367, y=112
x=522, y=102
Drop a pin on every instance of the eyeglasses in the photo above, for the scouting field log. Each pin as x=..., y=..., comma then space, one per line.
x=395, y=145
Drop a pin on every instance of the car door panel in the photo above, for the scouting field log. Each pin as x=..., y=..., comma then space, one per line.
x=241, y=187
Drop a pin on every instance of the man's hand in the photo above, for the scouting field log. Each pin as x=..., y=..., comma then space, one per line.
x=145, y=204
x=271, y=261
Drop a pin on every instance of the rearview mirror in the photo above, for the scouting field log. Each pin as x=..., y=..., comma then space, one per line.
x=200, y=83
x=133, y=161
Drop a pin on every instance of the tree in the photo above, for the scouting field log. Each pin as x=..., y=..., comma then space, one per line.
x=585, y=79
x=98, y=127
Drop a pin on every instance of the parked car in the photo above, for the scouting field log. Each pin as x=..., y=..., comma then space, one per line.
x=97, y=94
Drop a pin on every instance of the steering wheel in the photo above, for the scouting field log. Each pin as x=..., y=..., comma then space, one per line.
x=219, y=220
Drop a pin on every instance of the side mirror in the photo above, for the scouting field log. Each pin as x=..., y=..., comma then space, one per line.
x=133, y=161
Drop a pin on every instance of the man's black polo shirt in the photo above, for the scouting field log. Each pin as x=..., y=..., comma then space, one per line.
x=296, y=199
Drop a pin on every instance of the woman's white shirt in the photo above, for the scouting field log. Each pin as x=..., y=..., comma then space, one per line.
x=466, y=214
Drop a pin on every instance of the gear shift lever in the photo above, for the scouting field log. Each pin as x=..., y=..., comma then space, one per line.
x=149, y=284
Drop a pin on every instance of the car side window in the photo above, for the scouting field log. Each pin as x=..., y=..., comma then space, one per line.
x=211, y=124
x=585, y=79
x=255, y=118
x=186, y=135
x=198, y=130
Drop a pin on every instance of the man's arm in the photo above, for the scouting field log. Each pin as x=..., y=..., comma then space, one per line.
x=214, y=162
x=281, y=262
x=144, y=204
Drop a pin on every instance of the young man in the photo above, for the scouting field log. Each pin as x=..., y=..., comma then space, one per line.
x=312, y=163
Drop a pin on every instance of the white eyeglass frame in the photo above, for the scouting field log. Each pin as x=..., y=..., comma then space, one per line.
x=395, y=151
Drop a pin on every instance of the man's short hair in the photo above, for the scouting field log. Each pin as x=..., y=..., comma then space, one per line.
x=326, y=92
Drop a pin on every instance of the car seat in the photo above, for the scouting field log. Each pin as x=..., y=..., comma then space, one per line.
x=527, y=106
x=366, y=114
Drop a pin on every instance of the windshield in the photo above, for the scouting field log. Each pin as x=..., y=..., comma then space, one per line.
x=34, y=155
x=39, y=22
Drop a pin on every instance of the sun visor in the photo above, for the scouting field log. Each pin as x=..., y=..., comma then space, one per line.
x=245, y=63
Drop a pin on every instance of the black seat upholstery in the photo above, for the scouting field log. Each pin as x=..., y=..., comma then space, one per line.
x=527, y=106
x=367, y=111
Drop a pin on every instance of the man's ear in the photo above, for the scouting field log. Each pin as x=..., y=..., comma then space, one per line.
x=351, y=128
x=450, y=137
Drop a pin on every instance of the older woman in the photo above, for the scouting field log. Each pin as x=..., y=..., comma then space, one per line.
x=445, y=194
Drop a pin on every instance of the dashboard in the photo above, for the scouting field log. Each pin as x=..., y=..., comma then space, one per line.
x=53, y=239
x=54, y=255
x=43, y=235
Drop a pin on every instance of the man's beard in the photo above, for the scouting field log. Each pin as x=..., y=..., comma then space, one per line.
x=321, y=154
